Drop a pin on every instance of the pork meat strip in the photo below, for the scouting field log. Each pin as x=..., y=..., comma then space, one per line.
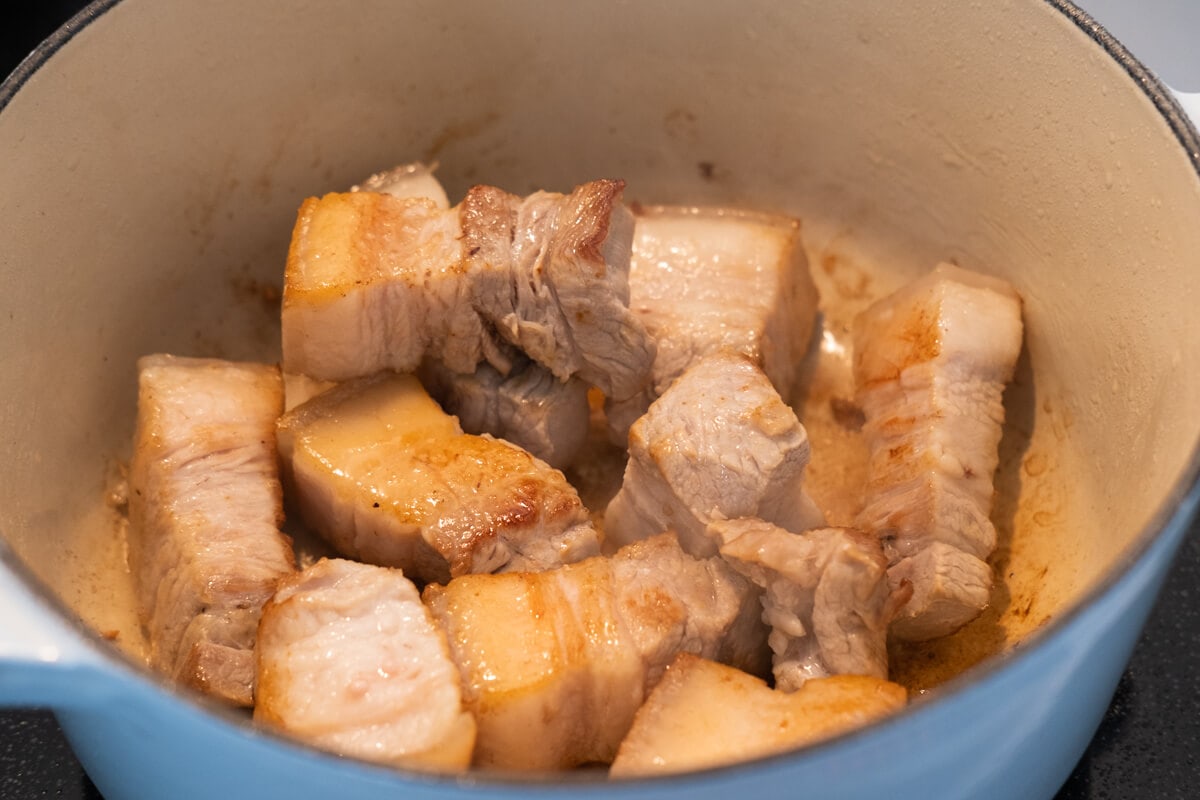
x=931, y=363
x=205, y=506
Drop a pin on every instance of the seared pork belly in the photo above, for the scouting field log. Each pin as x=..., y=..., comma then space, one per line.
x=528, y=407
x=560, y=293
x=348, y=659
x=377, y=282
x=827, y=598
x=407, y=180
x=387, y=477
x=931, y=363
x=719, y=443
x=703, y=280
x=704, y=714
x=555, y=664
x=205, y=506
x=374, y=282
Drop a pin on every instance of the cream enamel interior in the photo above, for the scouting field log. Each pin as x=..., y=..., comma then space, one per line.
x=162, y=160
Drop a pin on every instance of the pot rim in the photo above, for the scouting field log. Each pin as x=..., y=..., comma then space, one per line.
x=1172, y=515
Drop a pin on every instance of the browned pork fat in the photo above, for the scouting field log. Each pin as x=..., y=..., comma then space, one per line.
x=555, y=664
x=205, y=507
x=374, y=282
x=719, y=443
x=379, y=282
x=703, y=280
x=349, y=659
x=826, y=597
x=704, y=714
x=931, y=363
x=387, y=477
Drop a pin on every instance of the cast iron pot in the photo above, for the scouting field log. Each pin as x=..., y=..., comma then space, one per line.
x=156, y=153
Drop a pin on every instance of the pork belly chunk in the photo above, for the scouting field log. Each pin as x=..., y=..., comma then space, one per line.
x=205, y=506
x=931, y=363
x=349, y=660
x=379, y=282
x=704, y=714
x=703, y=280
x=373, y=282
x=826, y=597
x=387, y=477
x=528, y=407
x=949, y=587
x=555, y=664
x=560, y=292
x=719, y=443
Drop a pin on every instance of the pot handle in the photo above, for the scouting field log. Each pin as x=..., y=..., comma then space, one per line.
x=44, y=659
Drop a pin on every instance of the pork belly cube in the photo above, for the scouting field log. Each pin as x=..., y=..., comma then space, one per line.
x=948, y=588
x=349, y=660
x=372, y=282
x=703, y=714
x=560, y=291
x=528, y=407
x=703, y=280
x=357, y=247
x=387, y=477
x=826, y=597
x=931, y=363
x=205, y=506
x=719, y=443
x=555, y=664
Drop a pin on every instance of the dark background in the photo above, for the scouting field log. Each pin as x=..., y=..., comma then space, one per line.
x=1147, y=746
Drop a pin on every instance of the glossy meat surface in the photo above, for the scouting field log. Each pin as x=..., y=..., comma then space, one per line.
x=387, y=477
